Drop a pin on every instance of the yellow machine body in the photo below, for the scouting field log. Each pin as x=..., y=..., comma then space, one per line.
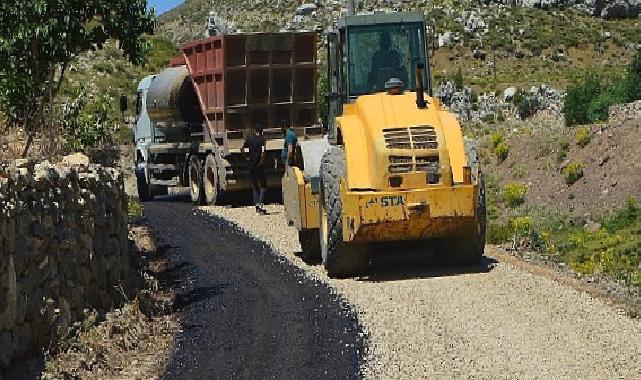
x=385, y=194
x=375, y=208
x=301, y=206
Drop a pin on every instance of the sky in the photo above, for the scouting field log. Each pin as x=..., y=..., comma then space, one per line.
x=163, y=5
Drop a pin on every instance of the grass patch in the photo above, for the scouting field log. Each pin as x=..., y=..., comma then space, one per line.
x=514, y=194
x=613, y=250
x=134, y=208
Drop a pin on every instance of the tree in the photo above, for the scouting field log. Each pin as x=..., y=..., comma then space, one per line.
x=39, y=38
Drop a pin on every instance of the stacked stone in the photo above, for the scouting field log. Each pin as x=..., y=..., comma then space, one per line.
x=621, y=113
x=63, y=250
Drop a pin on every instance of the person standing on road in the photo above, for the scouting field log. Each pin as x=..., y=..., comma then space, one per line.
x=289, y=148
x=255, y=144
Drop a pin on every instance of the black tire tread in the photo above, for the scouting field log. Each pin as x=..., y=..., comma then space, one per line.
x=310, y=246
x=468, y=250
x=198, y=198
x=342, y=259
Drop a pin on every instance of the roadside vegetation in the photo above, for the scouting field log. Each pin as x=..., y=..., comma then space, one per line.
x=588, y=101
x=600, y=244
x=64, y=95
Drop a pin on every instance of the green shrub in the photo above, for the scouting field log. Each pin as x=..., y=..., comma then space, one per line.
x=134, y=208
x=489, y=119
x=583, y=136
x=519, y=171
x=514, y=194
x=578, y=99
x=615, y=93
x=496, y=138
x=589, y=101
x=633, y=79
x=564, y=148
x=498, y=233
x=573, y=172
x=502, y=151
x=624, y=218
x=458, y=79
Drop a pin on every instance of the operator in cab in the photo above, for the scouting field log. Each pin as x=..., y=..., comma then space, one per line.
x=386, y=63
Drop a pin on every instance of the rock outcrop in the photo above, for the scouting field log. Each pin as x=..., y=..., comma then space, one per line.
x=607, y=9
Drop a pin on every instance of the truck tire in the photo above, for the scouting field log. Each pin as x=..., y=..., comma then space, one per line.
x=310, y=246
x=211, y=180
x=196, y=183
x=143, y=187
x=341, y=259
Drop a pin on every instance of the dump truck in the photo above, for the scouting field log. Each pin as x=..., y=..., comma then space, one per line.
x=394, y=169
x=192, y=118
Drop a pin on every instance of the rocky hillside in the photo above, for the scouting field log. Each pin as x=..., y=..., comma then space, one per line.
x=496, y=43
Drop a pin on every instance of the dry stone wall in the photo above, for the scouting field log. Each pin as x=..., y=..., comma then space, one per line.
x=63, y=250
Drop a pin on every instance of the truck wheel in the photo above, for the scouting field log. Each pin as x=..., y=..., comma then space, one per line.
x=340, y=259
x=143, y=188
x=310, y=246
x=196, y=183
x=211, y=180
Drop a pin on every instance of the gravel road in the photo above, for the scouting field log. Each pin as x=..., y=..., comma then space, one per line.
x=493, y=321
x=247, y=313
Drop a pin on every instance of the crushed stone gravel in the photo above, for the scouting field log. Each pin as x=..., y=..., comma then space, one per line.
x=493, y=321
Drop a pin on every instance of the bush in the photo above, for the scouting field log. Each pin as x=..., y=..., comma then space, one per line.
x=514, y=194
x=583, y=136
x=578, y=100
x=599, y=108
x=134, y=208
x=502, y=151
x=86, y=126
x=564, y=148
x=590, y=101
x=612, y=250
x=573, y=172
x=488, y=119
x=633, y=82
x=496, y=138
x=458, y=79
x=624, y=218
x=498, y=233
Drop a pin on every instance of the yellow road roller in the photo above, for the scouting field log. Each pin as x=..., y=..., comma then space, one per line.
x=394, y=166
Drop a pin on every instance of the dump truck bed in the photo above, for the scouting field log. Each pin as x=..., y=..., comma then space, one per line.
x=245, y=79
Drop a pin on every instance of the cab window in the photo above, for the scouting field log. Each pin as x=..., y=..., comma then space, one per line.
x=381, y=52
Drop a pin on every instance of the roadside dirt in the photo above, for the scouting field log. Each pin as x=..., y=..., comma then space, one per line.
x=611, y=163
x=247, y=312
x=133, y=342
x=490, y=321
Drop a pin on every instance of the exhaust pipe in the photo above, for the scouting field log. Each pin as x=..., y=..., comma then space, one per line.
x=420, y=86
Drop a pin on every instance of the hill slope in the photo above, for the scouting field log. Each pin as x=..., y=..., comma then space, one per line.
x=519, y=46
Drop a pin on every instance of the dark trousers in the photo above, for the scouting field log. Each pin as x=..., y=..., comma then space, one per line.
x=259, y=184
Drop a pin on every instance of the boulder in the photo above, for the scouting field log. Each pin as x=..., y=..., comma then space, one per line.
x=76, y=159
